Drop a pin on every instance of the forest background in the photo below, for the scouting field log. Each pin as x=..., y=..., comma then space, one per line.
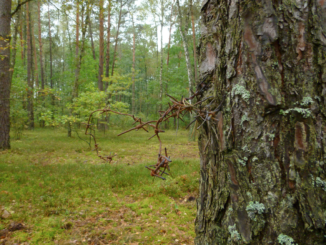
x=72, y=57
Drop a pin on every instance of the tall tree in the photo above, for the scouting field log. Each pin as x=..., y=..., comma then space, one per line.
x=92, y=40
x=161, y=63
x=262, y=164
x=191, y=11
x=30, y=82
x=77, y=70
x=34, y=54
x=50, y=45
x=108, y=42
x=40, y=43
x=117, y=35
x=185, y=47
x=170, y=29
x=5, y=19
x=133, y=99
x=14, y=43
x=101, y=51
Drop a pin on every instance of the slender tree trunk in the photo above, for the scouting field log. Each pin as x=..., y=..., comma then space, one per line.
x=116, y=39
x=14, y=44
x=40, y=43
x=101, y=51
x=169, y=44
x=107, y=63
x=161, y=63
x=185, y=47
x=42, y=123
x=92, y=41
x=30, y=81
x=34, y=55
x=76, y=83
x=50, y=45
x=262, y=164
x=21, y=35
x=168, y=57
x=133, y=100
x=81, y=53
x=5, y=18
x=51, y=60
x=193, y=37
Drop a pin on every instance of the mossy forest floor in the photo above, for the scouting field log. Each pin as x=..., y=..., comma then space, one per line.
x=62, y=193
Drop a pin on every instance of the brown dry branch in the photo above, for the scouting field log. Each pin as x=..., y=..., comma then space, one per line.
x=175, y=110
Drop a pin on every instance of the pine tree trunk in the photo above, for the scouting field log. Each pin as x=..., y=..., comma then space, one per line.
x=116, y=39
x=50, y=44
x=34, y=55
x=263, y=164
x=161, y=61
x=5, y=18
x=193, y=37
x=133, y=99
x=30, y=82
x=107, y=58
x=169, y=43
x=76, y=82
x=101, y=51
x=92, y=41
x=40, y=44
x=14, y=44
x=21, y=34
x=185, y=47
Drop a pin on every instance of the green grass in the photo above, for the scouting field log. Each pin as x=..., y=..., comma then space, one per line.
x=62, y=192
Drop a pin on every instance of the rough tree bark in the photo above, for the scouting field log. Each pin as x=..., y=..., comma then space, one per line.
x=263, y=164
x=5, y=18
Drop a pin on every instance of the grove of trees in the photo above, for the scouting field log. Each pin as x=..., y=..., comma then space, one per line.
x=68, y=58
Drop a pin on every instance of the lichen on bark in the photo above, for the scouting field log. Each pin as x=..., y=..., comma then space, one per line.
x=268, y=58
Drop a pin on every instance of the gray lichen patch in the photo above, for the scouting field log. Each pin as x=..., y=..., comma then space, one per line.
x=304, y=112
x=320, y=183
x=285, y=240
x=255, y=208
x=235, y=235
x=241, y=91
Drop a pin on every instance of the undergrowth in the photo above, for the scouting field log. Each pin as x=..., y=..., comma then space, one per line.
x=64, y=194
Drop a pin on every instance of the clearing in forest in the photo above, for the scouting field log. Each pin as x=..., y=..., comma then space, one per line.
x=62, y=193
